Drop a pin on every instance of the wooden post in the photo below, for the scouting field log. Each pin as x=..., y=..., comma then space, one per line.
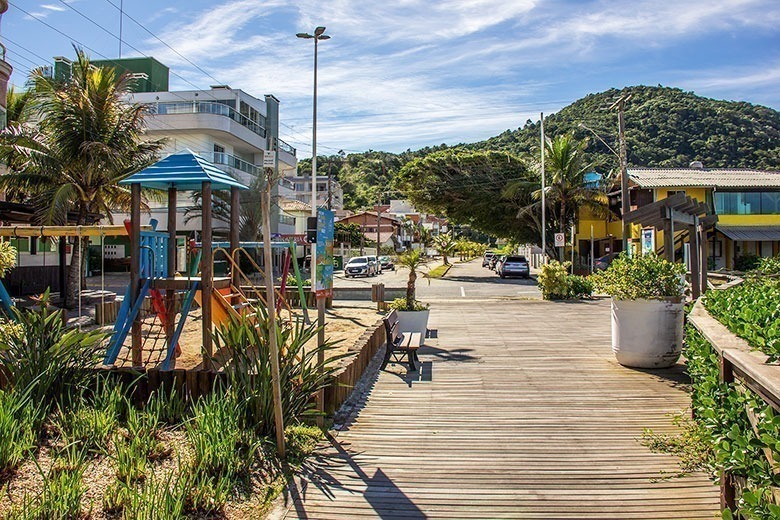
x=235, y=209
x=270, y=301
x=669, y=238
x=62, y=250
x=728, y=493
x=135, y=269
x=703, y=257
x=206, y=272
x=693, y=233
x=320, y=355
x=170, y=294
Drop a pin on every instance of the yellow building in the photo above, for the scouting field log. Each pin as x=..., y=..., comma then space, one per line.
x=746, y=201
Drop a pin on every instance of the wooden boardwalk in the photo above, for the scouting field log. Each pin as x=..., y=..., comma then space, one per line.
x=521, y=412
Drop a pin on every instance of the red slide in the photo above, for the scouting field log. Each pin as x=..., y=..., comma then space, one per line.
x=158, y=304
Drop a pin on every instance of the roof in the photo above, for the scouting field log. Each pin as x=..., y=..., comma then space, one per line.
x=703, y=177
x=185, y=171
x=752, y=233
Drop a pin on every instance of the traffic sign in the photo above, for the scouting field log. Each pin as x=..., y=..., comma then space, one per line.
x=269, y=159
x=560, y=240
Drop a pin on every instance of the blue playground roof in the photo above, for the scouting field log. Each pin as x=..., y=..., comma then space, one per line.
x=185, y=171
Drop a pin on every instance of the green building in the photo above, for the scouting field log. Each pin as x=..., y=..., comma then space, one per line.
x=149, y=75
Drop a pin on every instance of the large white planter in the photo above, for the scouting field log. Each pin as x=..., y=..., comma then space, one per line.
x=413, y=321
x=647, y=333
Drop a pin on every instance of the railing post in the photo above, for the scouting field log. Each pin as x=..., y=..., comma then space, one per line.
x=728, y=499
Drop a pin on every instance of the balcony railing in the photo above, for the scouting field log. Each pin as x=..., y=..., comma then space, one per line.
x=232, y=161
x=206, y=107
x=286, y=147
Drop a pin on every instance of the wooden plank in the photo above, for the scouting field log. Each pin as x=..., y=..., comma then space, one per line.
x=526, y=415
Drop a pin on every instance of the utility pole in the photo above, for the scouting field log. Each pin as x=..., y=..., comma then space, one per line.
x=544, y=207
x=624, y=202
x=363, y=234
x=378, y=223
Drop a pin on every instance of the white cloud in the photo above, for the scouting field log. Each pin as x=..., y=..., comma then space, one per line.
x=53, y=7
x=415, y=72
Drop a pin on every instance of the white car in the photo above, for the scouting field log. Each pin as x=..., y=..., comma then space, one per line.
x=359, y=266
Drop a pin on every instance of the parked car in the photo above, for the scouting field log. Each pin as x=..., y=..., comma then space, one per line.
x=603, y=262
x=514, y=266
x=387, y=263
x=359, y=266
x=486, y=258
x=377, y=266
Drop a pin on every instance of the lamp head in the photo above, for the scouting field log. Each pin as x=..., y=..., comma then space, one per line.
x=323, y=37
x=319, y=30
x=304, y=35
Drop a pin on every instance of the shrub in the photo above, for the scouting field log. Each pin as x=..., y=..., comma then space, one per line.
x=750, y=310
x=158, y=498
x=60, y=498
x=130, y=460
x=18, y=427
x=768, y=266
x=556, y=283
x=301, y=440
x=51, y=363
x=7, y=258
x=746, y=262
x=402, y=304
x=245, y=339
x=167, y=406
x=643, y=277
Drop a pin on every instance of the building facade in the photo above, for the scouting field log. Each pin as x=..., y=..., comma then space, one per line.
x=746, y=201
x=329, y=191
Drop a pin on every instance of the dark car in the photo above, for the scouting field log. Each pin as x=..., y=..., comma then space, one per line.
x=603, y=262
x=514, y=266
x=387, y=263
x=487, y=258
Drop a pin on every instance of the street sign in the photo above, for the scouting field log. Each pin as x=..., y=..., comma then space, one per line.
x=269, y=159
x=324, y=248
x=560, y=239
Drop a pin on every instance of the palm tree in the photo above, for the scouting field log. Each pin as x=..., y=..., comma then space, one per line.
x=85, y=139
x=446, y=244
x=566, y=190
x=413, y=260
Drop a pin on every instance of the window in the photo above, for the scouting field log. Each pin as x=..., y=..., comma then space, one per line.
x=669, y=193
x=218, y=148
x=747, y=203
x=717, y=248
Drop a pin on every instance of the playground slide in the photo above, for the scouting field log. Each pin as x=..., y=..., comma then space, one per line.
x=221, y=309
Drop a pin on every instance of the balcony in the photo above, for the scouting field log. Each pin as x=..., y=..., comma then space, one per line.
x=286, y=147
x=205, y=107
x=232, y=161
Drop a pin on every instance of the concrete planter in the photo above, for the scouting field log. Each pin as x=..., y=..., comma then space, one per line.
x=413, y=321
x=647, y=333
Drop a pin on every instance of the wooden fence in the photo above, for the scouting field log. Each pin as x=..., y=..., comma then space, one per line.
x=744, y=368
x=196, y=383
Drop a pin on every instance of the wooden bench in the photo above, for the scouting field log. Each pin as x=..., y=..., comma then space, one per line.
x=400, y=343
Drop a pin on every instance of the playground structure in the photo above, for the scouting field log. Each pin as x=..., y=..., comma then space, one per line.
x=158, y=301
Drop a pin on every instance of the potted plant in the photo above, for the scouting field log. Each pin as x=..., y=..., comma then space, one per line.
x=647, y=309
x=412, y=314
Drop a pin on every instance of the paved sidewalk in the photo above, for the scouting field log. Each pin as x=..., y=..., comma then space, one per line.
x=520, y=411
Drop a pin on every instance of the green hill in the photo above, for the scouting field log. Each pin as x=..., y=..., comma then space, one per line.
x=664, y=127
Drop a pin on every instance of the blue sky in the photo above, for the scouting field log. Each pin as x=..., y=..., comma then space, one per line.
x=410, y=73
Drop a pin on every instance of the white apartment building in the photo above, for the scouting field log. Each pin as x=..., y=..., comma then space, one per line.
x=228, y=127
x=327, y=188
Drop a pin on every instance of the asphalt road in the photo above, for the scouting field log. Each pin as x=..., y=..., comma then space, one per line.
x=467, y=281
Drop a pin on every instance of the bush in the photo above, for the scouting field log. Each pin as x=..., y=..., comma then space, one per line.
x=746, y=262
x=768, y=266
x=301, y=441
x=402, y=304
x=556, y=283
x=47, y=361
x=87, y=427
x=643, y=277
x=246, y=341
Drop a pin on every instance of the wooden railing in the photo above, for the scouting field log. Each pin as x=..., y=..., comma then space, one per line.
x=744, y=368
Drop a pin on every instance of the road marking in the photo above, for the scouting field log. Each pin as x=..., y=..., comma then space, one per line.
x=463, y=292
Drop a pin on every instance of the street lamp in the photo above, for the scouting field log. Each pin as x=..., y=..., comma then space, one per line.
x=317, y=36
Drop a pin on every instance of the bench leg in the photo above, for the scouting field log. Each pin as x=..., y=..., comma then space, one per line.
x=410, y=356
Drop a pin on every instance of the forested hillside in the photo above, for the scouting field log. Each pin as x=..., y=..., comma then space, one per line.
x=664, y=127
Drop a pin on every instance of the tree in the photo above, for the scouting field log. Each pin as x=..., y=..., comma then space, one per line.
x=413, y=260
x=85, y=140
x=467, y=188
x=446, y=244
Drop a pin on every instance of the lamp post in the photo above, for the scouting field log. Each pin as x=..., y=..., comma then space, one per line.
x=319, y=34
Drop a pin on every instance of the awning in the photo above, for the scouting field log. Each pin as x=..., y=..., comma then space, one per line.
x=185, y=171
x=750, y=233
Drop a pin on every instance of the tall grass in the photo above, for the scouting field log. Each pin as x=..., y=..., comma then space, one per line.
x=45, y=359
x=18, y=429
x=249, y=373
